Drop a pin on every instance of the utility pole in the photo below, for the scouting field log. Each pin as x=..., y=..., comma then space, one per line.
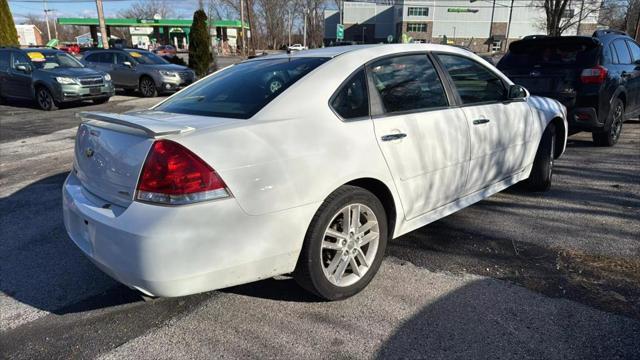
x=251, y=49
x=506, y=41
x=638, y=27
x=46, y=18
x=304, y=30
x=580, y=18
x=242, y=33
x=103, y=27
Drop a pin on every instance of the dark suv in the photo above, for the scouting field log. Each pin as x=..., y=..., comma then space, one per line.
x=50, y=77
x=139, y=69
x=597, y=78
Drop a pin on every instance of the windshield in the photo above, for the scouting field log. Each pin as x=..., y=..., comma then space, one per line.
x=47, y=61
x=241, y=90
x=550, y=53
x=143, y=57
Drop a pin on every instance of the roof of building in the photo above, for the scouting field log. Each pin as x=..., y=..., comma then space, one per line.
x=146, y=22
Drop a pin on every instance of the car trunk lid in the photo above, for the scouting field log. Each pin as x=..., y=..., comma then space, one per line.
x=111, y=149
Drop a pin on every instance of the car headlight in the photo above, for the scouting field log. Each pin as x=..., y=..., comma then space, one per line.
x=107, y=77
x=168, y=73
x=66, y=80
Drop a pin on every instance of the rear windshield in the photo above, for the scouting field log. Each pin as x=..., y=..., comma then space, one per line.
x=242, y=90
x=561, y=54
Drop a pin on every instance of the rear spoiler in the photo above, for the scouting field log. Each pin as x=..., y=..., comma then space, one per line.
x=152, y=127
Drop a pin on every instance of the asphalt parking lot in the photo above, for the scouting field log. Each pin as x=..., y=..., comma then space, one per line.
x=554, y=275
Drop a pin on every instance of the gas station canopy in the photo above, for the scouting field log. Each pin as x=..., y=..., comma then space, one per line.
x=147, y=22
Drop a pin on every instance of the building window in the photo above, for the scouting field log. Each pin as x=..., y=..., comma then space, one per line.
x=418, y=11
x=416, y=27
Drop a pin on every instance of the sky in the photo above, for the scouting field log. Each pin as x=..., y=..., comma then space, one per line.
x=87, y=8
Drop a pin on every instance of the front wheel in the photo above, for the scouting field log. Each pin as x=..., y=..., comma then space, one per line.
x=611, y=134
x=101, y=100
x=148, y=87
x=45, y=100
x=542, y=169
x=345, y=244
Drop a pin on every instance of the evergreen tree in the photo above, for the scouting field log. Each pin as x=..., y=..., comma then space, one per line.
x=8, y=33
x=200, y=56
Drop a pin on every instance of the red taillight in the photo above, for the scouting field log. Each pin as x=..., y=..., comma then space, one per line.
x=594, y=75
x=174, y=175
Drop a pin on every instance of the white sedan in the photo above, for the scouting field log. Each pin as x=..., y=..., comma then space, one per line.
x=297, y=47
x=234, y=180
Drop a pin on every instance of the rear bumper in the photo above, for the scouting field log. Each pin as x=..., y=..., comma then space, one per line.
x=584, y=119
x=182, y=250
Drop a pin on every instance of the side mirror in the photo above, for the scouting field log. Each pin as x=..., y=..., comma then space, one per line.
x=517, y=92
x=25, y=68
x=127, y=64
x=637, y=62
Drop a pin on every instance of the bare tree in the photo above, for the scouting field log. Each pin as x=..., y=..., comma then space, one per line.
x=146, y=9
x=620, y=14
x=562, y=15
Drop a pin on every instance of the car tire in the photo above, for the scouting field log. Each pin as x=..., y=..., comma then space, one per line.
x=542, y=169
x=45, y=99
x=611, y=133
x=337, y=262
x=101, y=100
x=147, y=87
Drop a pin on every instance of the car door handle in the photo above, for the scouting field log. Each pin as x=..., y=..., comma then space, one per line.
x=391, y=137
x=480, y=121
x=625, y=74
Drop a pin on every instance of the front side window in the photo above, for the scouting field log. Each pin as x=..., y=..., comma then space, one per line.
x=474, y=82
x=352, y=101
x=623, y=52
x=418, y=11
x=407, y=83
x=20, y=58
x=241, y=90
x=416, y=27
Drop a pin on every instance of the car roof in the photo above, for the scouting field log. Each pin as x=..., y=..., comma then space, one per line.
x=366, y=51
x=43, y=50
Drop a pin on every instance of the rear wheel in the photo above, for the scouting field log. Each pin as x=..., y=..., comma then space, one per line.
x=542, y=170
x=611, y=133
x=45, y=100
x=344, y=246
x=148, y=87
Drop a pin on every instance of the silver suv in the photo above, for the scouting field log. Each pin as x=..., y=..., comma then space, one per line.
x=50, y=77
x=135, y=69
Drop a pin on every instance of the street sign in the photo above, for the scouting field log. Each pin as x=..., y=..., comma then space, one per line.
x=339, y=31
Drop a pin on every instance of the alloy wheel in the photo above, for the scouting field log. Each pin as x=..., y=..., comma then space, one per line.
x=616, y=126
x=146, y=87
x=44, y=99
x=350, y=244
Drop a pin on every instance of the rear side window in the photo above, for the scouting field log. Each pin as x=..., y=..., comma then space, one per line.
x=635, y=50
x=554, y=53
x=351, y=100
x=474, y=82
x=241, y=90
x=100, y=58
x=407, y=83
x=623, y=52
x=4, y=59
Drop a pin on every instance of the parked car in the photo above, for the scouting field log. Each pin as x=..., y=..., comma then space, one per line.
x=297, y=47
x=232, y=180
x=142, y=70
x=165, y=51
x=50, y=77
x=597, y=78
x=72, y=49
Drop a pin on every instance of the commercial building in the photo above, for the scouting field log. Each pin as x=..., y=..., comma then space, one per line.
x=29, y=35
x=459, y=22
